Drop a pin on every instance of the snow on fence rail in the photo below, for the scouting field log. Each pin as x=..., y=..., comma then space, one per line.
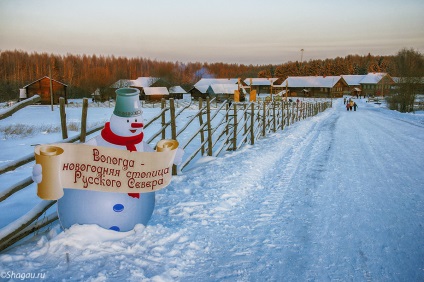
x=16, y=107
x=227, y=127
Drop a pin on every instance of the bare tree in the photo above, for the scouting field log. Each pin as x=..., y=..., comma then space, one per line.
x=410, y=68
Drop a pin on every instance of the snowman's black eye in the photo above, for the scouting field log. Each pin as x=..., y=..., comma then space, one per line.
x=128, y=120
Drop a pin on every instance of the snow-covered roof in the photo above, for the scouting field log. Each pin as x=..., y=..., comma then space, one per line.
x=43, y=78
x=210, y=81
x=373, y=78
x=260, y=81
x=312, y=81
x=155, y=91
x=223, y=88
x=354, y=79
x=202, y=88
x=176, y=89
x=141, y=82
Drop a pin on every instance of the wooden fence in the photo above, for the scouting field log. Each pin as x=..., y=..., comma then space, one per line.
x=210, y=131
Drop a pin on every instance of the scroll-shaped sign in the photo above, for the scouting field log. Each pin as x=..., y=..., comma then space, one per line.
x=106, y=169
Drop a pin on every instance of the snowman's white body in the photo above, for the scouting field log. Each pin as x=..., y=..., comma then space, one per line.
x=116, y=211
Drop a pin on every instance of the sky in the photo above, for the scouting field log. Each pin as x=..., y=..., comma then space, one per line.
x=230, y=31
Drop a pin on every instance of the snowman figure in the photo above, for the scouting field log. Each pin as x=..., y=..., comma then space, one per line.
x=115, y=211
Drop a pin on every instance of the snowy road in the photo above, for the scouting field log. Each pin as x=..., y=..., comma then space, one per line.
x=336, y=197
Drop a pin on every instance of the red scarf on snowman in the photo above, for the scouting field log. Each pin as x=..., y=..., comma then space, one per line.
x=127, y=141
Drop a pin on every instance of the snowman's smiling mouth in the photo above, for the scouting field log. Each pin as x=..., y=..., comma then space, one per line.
x=133, y=130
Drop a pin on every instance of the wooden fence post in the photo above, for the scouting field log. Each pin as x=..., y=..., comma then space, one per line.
x=288, y=114
x=235, y=127
x=252, y=124
x=264, y=119
x=274, y=126
x=202, y=132
x=245, y=119
x=63, y=118
x=173, y=128
x=227, y=129
x=84, y=120
x=282, y=115
x=208, y=120
x=162, y=106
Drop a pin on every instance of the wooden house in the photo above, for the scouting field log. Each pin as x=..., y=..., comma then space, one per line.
x=41, y=87
x=316, y=86
x=155, y=93
x=261, y=85
x=354, y=84
x=377, y=84
x=222, y=92
x=199, y=92
x=176, y=92
x=200, y=89
x=140, y=83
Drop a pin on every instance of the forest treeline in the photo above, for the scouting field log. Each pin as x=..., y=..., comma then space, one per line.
x=85, y=73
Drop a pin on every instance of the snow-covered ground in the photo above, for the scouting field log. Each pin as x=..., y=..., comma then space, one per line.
x=336, y=197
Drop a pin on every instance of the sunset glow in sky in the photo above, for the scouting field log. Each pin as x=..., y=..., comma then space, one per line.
x=230, y=31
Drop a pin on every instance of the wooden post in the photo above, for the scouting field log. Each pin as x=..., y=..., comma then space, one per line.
x=264, y=119
x=208, y=119
x=162, y=106
x=288, y=114
x=202, y=132
x=282, y=115
x=173, y=128
x=63, y=118
x=245, y=119
x=51, y=89
x=252, y=124
x=84, y=120
x=226, y=119
x=235, y=127
x=274, y=126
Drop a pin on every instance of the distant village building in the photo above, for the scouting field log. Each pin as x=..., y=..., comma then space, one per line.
x=371, y=84
x=316, y=86
x=155, y=93
x=222, y=91
x=41, y=87
x=377, y=84
x=140, y=83
x=176, y=92
x=200, y=89
x=262, y=85
x=354, y=84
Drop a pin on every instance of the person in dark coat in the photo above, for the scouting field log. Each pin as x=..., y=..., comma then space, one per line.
x=354, y=106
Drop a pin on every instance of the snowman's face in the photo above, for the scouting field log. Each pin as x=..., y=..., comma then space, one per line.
x=126, y=126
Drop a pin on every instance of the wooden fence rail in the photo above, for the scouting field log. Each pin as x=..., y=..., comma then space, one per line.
x=226, y=128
